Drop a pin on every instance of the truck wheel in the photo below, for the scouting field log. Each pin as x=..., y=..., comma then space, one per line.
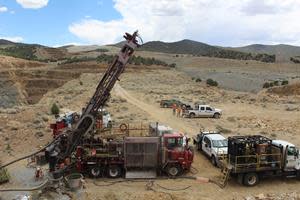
x=165, y=105
x=214, y=161
x=217, y=115
x=192, y=115
x=95, y=172
x=109, y=124
x=251, y=179
x=174, y=170
x=114, y=171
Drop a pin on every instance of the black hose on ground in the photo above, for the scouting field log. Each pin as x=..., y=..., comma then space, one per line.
x=30, y=155
x=152, y=181
x=25, y=189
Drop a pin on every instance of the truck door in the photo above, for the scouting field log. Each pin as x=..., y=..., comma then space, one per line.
x=209, y=112
x=291, y=158
x=206, y=146
x=202, y=111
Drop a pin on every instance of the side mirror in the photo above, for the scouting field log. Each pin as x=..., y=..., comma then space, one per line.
x=297, y=153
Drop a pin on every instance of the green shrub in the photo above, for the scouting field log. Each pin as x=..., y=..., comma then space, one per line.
x=54, y=109
x=173, y=65
x=276, y=83
x=211, y=82
x=20, y=51
x=77, y=60
x=266, y=85
x=198, y=80
x=285, y=82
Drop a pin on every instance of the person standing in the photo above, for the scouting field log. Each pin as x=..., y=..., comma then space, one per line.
x=183, y=110
x=174, y=107
x=179, y=111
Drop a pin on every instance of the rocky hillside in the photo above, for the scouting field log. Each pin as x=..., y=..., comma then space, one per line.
x=31, y=51
x=202, y=49
x=283, y=52
x=292, y=89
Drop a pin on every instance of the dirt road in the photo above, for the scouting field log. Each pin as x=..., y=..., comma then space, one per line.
x=162, y=116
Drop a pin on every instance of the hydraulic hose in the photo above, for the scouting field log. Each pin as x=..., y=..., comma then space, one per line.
x=30, y=155
x=25, y=189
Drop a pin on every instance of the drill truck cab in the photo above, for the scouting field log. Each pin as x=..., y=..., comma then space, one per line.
x=251, y=158
x=177, y=156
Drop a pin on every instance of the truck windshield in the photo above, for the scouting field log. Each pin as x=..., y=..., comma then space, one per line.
x=291, y=151
x=220, y=143
x=174, y=142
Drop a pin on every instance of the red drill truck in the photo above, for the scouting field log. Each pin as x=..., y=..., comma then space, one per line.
x=135, y=157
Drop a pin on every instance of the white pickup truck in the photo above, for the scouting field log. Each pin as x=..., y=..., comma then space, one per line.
x=203, y=111
x=213, y=144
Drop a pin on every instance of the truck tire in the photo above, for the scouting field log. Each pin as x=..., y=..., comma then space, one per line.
x=173, y=170
x=251, y=179
x=217, y=115
x=109, y=124
x=95, y=172
x=192, y=115
x=214, y=161
x=114, y=171
x=165, y=106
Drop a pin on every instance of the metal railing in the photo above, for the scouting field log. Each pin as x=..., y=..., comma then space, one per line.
x=258, y=161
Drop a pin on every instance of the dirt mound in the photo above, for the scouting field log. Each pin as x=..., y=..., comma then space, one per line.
x=51, y=53
x=7, y=62
x=293, y=89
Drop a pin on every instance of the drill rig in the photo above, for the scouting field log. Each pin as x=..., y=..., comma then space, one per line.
x=65, y=144
x=135, y=157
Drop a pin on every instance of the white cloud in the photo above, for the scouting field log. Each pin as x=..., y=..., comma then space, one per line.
x=231, y=22
x=12, y=39
x=33, y=4
x=3, y=9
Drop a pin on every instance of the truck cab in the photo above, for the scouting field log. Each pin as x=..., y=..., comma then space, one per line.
x=204, y=111
x=291, y=155
x=177, y=156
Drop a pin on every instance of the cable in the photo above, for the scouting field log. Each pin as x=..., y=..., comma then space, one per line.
x=195, y=170
x=149, y=184
x=25, y=189
x=109, y=183
x=30, y=155
x=173, y=189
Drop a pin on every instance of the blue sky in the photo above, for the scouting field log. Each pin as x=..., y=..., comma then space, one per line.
x=49, y=25
x=216, y=22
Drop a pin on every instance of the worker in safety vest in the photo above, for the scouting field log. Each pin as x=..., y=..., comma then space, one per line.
x=179, y=111
x=174, y=106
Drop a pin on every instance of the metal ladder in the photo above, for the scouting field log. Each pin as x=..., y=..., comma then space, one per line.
x=225, y=177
